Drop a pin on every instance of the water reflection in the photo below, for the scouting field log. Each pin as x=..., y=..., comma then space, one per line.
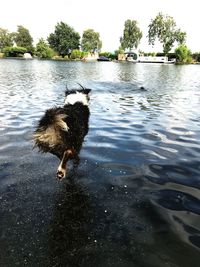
x=88, y=230
x=68, y=231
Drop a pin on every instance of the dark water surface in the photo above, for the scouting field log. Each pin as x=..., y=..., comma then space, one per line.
x=134, y=200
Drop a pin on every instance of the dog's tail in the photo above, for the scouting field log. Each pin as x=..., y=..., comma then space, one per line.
x=48, y=133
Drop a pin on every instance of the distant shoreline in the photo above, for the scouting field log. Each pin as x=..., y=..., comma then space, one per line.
x=94, y=61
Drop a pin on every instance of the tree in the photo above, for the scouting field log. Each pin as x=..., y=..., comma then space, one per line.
x=43, y=50
x=23, y=38
x=131, y=36
x=64, y=39
x=183, y=54
x=6, y=38
x=163, y=28
x=91, y=41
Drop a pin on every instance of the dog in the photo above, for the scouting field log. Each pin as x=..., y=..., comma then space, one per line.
x=61, y=130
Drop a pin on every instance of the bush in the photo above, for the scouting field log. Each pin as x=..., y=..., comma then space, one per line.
x=76, y=54
x=109, y=55
x=45, y=53
x=104, y=54
x=113, y=56
x=15, y=51
x=183, y=54
x=43, y=50
x=84, y=54
x=196, y=57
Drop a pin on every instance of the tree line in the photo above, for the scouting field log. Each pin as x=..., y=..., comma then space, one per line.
x=65, y=42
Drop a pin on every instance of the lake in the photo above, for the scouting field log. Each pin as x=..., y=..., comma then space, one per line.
x=134, y=199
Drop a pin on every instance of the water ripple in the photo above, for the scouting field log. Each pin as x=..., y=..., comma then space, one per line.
x=135, y=196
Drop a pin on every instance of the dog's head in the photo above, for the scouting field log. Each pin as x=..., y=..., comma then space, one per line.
x=77, y=95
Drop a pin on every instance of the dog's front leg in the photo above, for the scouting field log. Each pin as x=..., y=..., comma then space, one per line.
x=68, y=154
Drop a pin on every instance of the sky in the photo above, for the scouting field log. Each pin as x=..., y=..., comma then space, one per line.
x=103, y=16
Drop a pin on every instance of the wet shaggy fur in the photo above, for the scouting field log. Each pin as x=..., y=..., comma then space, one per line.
x=61, y=130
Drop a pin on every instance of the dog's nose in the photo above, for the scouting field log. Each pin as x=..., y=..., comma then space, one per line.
x=60, y=175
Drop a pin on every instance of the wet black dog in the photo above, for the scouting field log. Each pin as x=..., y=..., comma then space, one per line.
x=61, y=130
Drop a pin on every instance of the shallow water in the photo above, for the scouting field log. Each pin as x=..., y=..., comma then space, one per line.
x=134, y=200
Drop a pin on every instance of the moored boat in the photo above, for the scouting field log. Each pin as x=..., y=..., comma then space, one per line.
x=102, y=58
x=158, y=59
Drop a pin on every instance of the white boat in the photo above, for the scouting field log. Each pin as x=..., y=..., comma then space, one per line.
x=151, y=59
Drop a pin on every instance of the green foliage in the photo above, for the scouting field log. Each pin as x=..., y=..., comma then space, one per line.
x=170, y=55
x=14, y=51
x=113, y=56
x=196, y=56
x=6, y=38
x=163, y=28
x=152, y=54
x=43, y=50
x=64, y=39
x=109, y=55
x=76, y=54
x=183, y=54
x=105, y=54
x=131, y=36
x=91, y=41
x=23, y=39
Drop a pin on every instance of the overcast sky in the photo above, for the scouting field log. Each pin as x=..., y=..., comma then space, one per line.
x=106, y=17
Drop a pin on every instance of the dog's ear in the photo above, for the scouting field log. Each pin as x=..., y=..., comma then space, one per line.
x=82, y=87
x=66, y=91
x=86, y=91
